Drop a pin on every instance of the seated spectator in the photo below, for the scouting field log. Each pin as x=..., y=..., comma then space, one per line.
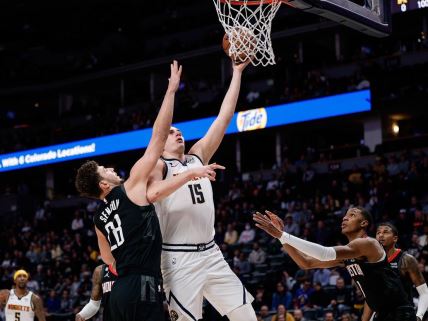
x=334, y=276
x=423, y=239
x=414, y=247
x=303, y=294
x=261, y=298
x=53, y=304
x=322, y=276
x=303, y=275
x=298, y=315
x=247, y=235
x=322, y=233
x=281, y=296
x=319, y=298
x=77, y=222
x=257, y=255
x=328, y=316
x=231, y=235
x=66, y=303
x=288, y=280
x=264, y=313
x=33, y=285
x=242, y=264
x=342, y=298
x=282, y=314
x=290, y=226
x=346, y=317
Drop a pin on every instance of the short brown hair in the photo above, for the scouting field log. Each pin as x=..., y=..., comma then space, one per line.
x=88, y=179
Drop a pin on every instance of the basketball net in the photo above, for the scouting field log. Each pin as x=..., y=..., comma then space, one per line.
x=248, y=25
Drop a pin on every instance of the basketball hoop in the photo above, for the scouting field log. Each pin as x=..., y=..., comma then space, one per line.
x=255, y=18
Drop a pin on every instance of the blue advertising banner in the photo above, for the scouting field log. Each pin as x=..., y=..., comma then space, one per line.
x=254, y=119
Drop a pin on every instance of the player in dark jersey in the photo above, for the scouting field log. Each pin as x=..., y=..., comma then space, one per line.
x=103, y=279
x=364, y=257
x=404, y=265
x=126, y=223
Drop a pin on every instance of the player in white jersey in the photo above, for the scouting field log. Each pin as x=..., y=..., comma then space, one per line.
x=20, y=303
x=192, y=265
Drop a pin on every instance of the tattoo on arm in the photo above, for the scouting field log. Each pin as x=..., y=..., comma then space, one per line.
x=409, y=266
x=38, y=307
x=97, y=292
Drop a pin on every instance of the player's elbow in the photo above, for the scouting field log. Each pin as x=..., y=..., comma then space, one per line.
x=304, y=265
x=107, y=258
x=153, y=196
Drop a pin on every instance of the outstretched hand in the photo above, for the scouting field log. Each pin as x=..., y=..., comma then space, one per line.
x=269, y=223
x=207, y=171
x=240, y=66
x=174, y=78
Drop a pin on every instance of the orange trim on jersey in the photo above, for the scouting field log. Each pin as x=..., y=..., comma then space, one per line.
x=112, y=270
x=393, y=256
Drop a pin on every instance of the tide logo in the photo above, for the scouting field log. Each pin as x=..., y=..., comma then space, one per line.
x=251, y=119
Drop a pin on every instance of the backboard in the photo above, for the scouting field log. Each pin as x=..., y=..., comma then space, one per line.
x=371, y=17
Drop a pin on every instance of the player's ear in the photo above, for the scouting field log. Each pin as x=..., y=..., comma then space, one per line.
x=104, y=185
x=364, y=223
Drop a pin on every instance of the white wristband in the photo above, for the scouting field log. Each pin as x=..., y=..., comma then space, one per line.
x=284, y=237
x=423, y=300
x=90, y=309
x=314, y=250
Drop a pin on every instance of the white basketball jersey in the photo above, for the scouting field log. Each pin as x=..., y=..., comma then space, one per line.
x=187, y=215
x=19, y=309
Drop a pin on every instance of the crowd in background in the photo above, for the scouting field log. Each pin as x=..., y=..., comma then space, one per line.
x=58, y=246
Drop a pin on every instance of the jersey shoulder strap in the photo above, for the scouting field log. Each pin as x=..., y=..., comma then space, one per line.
x=31, y=300
x=396, y=256
x=196, y=157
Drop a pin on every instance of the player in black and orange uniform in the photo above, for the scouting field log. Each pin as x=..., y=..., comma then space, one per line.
x=364, y=258
x=126, y=224
x=404, y=265
x=103, y=279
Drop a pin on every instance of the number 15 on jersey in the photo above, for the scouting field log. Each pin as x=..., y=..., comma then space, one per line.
x=196, y=193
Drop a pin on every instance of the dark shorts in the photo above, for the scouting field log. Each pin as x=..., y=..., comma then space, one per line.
x=398, y=314
x=136, y=298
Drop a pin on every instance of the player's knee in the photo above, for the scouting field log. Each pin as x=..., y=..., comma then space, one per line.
x=243, y=313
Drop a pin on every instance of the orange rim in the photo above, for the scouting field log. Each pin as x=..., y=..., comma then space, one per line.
x=249, y=3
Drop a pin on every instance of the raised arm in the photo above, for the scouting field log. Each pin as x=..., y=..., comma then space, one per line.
x=306, y=262
x=410, y=265
x=158, y=188
x=208, y=145
x=39, y=311
x=302, y=260
x=142, y=168
x=367, y=247
x=92, y=307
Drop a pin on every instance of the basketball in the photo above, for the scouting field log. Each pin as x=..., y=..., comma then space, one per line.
x=244, y=44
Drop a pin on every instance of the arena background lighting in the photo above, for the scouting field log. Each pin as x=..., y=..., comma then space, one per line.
x=254, y=119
